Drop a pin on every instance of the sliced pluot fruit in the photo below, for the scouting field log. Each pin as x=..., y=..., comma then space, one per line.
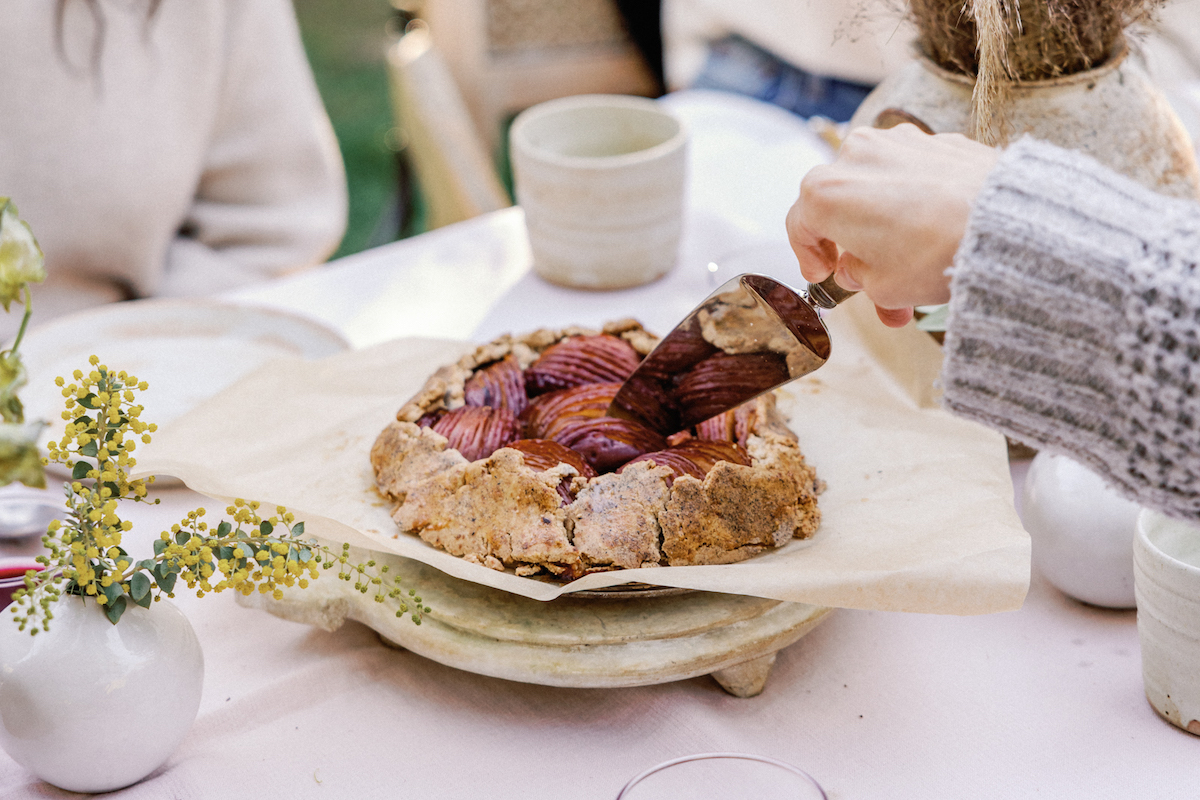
x=478, y=431
x=608, y=442
x=733, y=425
x=547, y=413
x=646, y=399
x=579, y=360
x=724, y=380
x=706, y=454
x=679, y=352
x=695, y=457
x=678, y=463
x=679, y=437
x=541, y=454
x=500, y=384
x=428, y=420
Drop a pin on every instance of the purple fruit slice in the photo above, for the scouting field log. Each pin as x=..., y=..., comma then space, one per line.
x=608, y=442
x=500, y=384
x=724, y=381
x=546, y=414
x=542, y=454
x=478, y=431
x=580, y=360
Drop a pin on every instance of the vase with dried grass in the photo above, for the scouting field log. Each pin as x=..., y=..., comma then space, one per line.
x=1059, y=70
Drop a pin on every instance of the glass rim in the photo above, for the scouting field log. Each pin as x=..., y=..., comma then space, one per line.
x=636, y=779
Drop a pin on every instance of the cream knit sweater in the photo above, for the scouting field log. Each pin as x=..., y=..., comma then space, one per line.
x=192, y=155
x=1075, y=322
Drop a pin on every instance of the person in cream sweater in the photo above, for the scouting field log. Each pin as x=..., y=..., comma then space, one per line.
x=164, y=147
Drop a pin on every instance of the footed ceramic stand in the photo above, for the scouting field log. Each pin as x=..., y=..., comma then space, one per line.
x=657, y=636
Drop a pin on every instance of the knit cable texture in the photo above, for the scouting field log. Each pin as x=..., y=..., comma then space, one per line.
x=1074, y=322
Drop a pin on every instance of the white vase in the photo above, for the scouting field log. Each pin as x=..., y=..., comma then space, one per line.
x=89, y=706
x=1114, y=113
x=1081, y=531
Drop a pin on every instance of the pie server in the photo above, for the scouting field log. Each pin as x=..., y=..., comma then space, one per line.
x=749, y=336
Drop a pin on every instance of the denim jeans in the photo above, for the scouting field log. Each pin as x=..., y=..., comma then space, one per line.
x=737, y=65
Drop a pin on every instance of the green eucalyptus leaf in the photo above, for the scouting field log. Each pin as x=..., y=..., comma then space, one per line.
x=80, y=470
x=160, y=546
x=114, y=609
x=181, y=538
x=167, y=582
x=88, y=401
x=145, y=601
x=298, y=529
x=265, y=527
x=90, y=449
x=21, y=260
x=139, y=586
x=224, y=528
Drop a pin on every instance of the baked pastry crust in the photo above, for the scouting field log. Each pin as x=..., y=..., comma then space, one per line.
x=501, y=513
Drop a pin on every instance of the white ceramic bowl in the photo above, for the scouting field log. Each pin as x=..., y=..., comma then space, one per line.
x=600, y=179
x=1167, y=571
x=1081, y=531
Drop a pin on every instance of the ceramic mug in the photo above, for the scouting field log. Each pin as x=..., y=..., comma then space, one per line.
x=601, y=180
x=1166, y=566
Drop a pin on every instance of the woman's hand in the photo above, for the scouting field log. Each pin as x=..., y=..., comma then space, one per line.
x=888, y=215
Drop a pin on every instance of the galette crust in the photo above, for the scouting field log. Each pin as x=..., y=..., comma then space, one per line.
x=501, y=513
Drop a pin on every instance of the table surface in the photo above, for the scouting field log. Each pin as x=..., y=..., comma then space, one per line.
x=1045, y=701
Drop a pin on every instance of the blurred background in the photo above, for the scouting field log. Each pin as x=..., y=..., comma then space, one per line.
x=400, y=108
x=422, y=92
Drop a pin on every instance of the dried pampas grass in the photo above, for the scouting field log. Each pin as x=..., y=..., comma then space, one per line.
x=1003, y=42
x=1041, y=39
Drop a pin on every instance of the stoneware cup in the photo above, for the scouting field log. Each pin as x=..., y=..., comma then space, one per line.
x=1166, y=566
x=601, y=181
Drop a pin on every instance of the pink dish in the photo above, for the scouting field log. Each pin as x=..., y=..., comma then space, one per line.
x=12, y=576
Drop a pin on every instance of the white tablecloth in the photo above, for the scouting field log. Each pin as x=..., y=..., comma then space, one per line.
x=1045, y=702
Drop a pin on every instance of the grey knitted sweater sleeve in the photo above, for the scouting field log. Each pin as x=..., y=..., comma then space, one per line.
x=1075, y=322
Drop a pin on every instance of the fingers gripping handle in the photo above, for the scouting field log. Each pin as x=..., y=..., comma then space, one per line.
x=827, y=294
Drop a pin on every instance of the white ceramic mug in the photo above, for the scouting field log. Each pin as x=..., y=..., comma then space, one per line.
x=601, y=181
x=1166, y=568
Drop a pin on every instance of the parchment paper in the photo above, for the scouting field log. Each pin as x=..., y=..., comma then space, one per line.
x=917, y=516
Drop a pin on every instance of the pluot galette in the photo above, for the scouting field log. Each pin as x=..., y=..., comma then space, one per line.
x=507, y=459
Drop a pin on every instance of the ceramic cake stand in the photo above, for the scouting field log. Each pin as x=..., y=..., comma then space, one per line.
x=654, y=636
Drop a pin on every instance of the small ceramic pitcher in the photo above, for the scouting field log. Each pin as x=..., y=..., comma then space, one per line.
x=1166, y=564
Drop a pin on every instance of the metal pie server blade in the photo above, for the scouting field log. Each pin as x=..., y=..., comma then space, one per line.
x=748, y=337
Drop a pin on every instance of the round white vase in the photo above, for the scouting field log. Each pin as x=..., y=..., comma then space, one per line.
x=1114, y=113
x=1082, y=531
x=89, y=706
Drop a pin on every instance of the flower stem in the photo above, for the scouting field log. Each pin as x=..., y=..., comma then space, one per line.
x=24, y=320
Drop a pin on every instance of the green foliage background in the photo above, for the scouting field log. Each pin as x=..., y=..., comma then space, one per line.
x=346, y=41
